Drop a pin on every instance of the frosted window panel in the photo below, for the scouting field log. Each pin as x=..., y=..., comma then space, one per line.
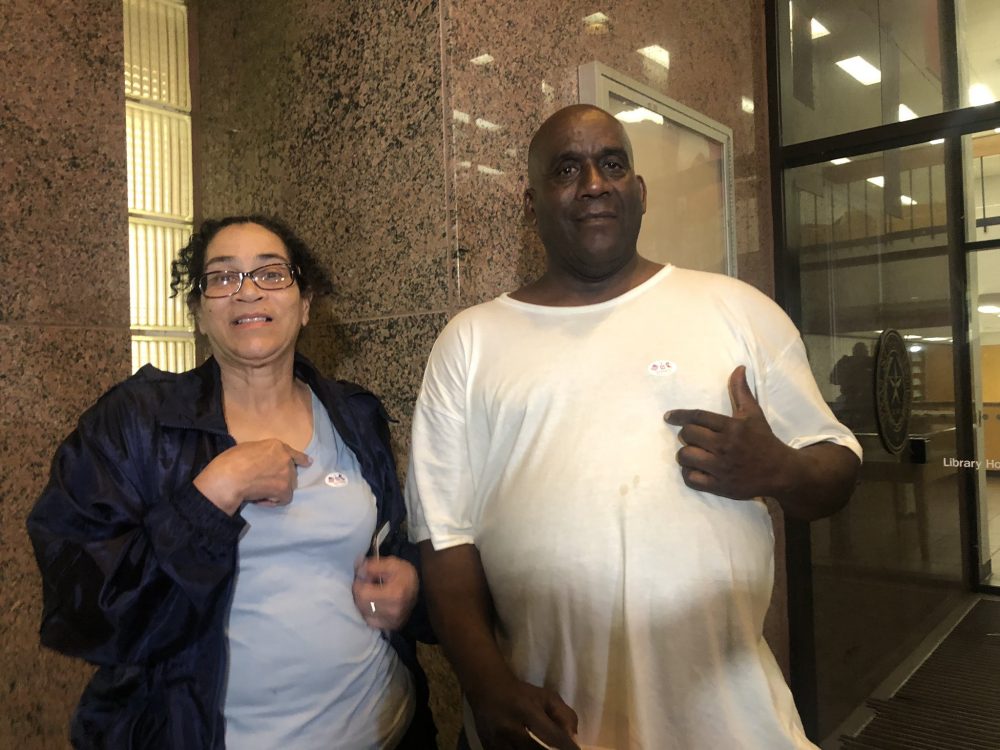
x=158, y=147
x=686, y=160
x=686, y=181
x=152, y=248
x=173, y=354
x=156, y=53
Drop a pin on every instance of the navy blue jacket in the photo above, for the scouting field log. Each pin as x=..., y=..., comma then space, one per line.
x=138, y=566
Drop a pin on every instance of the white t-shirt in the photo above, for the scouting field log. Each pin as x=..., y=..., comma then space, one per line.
x=539, y=437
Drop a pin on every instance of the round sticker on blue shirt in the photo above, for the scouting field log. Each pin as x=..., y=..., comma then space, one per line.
x=336, y=479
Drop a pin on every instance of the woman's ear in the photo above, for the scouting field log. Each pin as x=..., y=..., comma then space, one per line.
x=306, y=302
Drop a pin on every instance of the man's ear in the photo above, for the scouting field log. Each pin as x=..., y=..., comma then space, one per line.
x=529, y=208
x=642, y=190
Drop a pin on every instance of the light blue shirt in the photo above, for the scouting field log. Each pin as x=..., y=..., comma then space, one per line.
x=305, y=670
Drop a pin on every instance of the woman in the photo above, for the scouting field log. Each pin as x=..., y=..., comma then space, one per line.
x=203, y=536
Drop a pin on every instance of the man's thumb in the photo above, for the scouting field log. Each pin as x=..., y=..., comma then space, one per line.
x=740, y=395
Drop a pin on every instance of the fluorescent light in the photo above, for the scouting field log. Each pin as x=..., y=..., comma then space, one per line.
x=916, y=348
x=907, y=200
x=487, y=125
x=905, y=113
x=657, y=54
x=841, y=160
x=979, y=94
x=639, y=114
x=877, y=181
x=936, y=339
x=596, y=19
x=459, y=116
x=484, y=59
x=860, y=69
x=936, y=141
x=989, y=309
x=818, y=30
x=911, y=336
x=746, y=104
x=483, y=169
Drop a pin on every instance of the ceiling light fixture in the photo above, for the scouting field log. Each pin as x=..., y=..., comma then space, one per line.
x=877, y=181
x=817, y=29
x=905, y=113
x=639, y=114
x=841, y=160
x=861, y=70
x=980, y=94
x=657, y=54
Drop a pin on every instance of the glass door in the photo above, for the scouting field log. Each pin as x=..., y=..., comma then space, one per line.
x=870, y=242
x=981, y=157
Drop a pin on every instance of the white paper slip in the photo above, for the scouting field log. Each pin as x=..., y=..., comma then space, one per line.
x=379, y=537
x=549, y=747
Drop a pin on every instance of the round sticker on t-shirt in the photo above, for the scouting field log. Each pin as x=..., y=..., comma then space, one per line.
x=336, y=479
x=662, y=367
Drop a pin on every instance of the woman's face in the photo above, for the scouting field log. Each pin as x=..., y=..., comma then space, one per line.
x=253, y=327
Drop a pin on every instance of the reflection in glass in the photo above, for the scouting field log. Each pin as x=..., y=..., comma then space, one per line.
x=984, y=346
x=979, y=74
x=981, y=152
x=870, y=238
x=878, y=62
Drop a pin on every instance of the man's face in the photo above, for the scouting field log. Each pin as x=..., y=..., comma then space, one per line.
x=584, y=197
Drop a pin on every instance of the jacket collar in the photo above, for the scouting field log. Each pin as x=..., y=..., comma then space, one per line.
x=196, y=400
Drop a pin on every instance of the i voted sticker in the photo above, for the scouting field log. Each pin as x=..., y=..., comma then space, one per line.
x=662, y=367
x=336, y=479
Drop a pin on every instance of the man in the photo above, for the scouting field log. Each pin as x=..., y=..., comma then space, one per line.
x=595, y=574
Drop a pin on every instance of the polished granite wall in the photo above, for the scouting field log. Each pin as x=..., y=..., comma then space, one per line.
x=339, y=117
x=63, y=305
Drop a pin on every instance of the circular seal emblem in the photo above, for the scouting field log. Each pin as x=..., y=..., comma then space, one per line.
x=893, y=390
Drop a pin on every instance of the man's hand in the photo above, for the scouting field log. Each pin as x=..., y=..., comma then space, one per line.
x=461, y=610
x=737, y=457
x=385, y=591
x=506, y=710
x=741, y=458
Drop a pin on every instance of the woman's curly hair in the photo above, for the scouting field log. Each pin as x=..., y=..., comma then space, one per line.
x=190, y=263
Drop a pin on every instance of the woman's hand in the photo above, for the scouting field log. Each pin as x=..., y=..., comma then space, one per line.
x=261, y=471
x=385, y=591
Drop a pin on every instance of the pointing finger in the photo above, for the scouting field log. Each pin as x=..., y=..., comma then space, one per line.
x=700, y=417
x=298, y=457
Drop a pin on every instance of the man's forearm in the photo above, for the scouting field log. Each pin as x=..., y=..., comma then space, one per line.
x=461, y=611
x=816, y=481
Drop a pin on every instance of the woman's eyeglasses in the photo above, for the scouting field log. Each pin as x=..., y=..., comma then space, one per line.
x=270, y=278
